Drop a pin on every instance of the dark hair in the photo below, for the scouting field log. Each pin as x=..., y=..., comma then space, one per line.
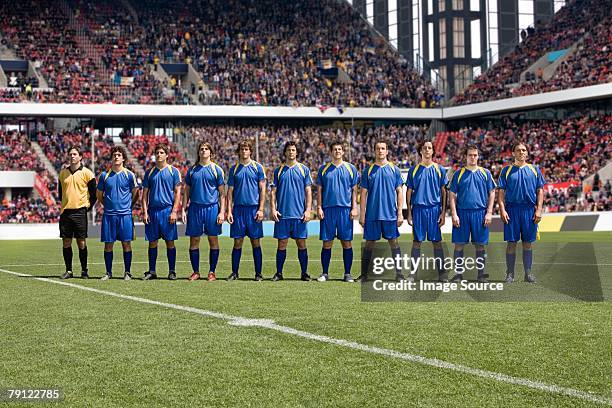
x=471, y=147
x=288, y=145
x=244, y=143
x=422, y=144
x=517, y=144
x=76, y=148
x=384, y=141
x=119, y=149
x=336, y=143
x=207, y=145
x=163, y=147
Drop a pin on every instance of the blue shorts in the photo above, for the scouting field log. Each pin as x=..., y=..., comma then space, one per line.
x=336, y=223
x=117, y=228
x=290, y=228
x=202, y=220
x=159, y=226
x=374, y=229
x=244, y=222
x=521, y=225
x=471, y=223
x=425, y=224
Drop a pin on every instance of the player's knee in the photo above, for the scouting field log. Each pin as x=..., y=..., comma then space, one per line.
x=527, y=246
x=213, y=242
x=238, y=243
x=67, y=242
x=169, y=244
x=369, y=245
x=282, y=244
x=458, y=247
x=153, y=244
x=394, y=243
x=108, y=247
x=416, y=244
x=511, y=247
x=437, y=245
x=194, y=242
x=127, y=246
x=480, y=248
x=81, y=243
x=346, y=244
x=255, y=242
x=328, y=244
x=301, y=243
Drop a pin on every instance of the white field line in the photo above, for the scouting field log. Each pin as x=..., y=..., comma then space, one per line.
x=269, y=324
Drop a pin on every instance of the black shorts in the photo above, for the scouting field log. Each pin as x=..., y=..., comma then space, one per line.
x=73, y=223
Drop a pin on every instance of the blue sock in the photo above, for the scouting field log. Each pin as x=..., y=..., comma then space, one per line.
x=127, y=261
x=258, y=260
x=366, y=258
x=527, y=260
x=347, y=257
x=152, y=259
x=415, y=253
x=395, y=253
x=214, y=258
x=458, y=254
x=303, y=257
x=439, y=256
x=281, y=255
x=510, y=261
x=236, y=254
x=108, y=261
x=325, y=259
x=482, y=256
x=171, y=252
x=194, y=258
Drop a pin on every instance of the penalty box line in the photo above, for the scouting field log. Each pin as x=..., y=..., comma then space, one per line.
x=269, y=324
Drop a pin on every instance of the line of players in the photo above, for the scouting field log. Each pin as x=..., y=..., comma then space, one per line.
x=208, y=200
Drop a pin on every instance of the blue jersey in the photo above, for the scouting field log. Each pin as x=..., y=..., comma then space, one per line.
x=204, y=182
x=291, y=183
x=381, y=183
x=521, y=184
x=426, y=184
x=245, y=181
x=161, y=184
x=472, y=188
x=337, y=184
x=117, y=188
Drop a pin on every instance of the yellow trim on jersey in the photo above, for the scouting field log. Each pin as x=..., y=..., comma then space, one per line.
x=535, y=173
x=326, y=168
x=300, y=166
x=348, y=168
x=508, y=171
x=460, y=175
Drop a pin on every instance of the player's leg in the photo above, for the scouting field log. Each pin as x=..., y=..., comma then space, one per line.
x=434, y=234
x=527, y=262
x=390, y=232
x=512, y=234
x=529, y=231
x=108, y=235
x=82, y=245
x=67, y=254
x=236, y=255
x=367, y=249
x=257, y=257
x=347, y=259
x=460, y=237
x=127, y=259
x=171, y=254
x=80, y=233
x=345, y=234
x=126, y=236
x=459, y=262
x=396, y=254
x=152, y=234
x=194, y=257
x=510, y=260
x=237, y=232
x=255, y=232
x=300, y=233
x=213, y=256
x=419, y=234
x=327, y=233
x=108, y=260
x=480, y=238
x=281, y=255
x=326, y=252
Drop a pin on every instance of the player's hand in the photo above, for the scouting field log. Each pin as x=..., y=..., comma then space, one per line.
x=145, y=218
x=400, y=220
x=184, y=217
x=220, y=218
x=259, y=216
x=456, y=222
x=362, y=220
x=173, y=217
x=320, y=213
x=354, y=214
x=441, y=220
x=409, y=219
x=505, y=217
x=306, y=216
x=488, y=218
x=230, y=218
x=276, y=216
x=537, y=216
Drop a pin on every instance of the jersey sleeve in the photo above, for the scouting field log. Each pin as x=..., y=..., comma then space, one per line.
x=275, y=177
x=364, y=179
x=490, y=182
x=145, y=180
x=230, y=177
x=133, y=182
x=454, y=184
x=443, y=177
x=398, y=177
x=307, y=177
x=320, y=176
x=261, y=173
x=187, y=177
x=176, y=177
x=501, y=181
x=220, y=177
x=101, y=181
x=355, y=179
x=410, y=179
x=540, y=182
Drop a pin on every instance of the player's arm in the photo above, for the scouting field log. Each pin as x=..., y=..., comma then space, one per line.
x=453, y=208
x=177, y=203
x=490, y=204
x=354, y=209
x=262, y=201
x=363, y=205
x=409, y=208
x=100, y=196
x=442, y=217
x=537, y=216
x=93, y=193
x=400, y=203
x=502, y=206
x=308, y=202
x=275, y=214
x=320, y=212
x=186, y=190
x=230, y=204
x=145, y=205
x=222, y=198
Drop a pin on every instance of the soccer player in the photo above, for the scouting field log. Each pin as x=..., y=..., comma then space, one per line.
x=337, y=207
x=426, y=199
x=77, y=193
x=205, y=193
x=520, y=201
x=118, y=191
x=472, y=195
x=161, y=197
x=381, y=204
x=246, y=197
x=290, y=205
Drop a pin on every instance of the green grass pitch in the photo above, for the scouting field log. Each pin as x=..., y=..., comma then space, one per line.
x=104, y=351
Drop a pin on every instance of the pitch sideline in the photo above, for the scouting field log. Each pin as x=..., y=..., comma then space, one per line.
x=269, y=324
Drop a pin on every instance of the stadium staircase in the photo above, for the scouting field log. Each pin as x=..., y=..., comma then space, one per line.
x=44, y=159
x=131, y=159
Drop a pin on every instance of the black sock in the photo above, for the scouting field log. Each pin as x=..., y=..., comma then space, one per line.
x=83, y=258
x=67, y=252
